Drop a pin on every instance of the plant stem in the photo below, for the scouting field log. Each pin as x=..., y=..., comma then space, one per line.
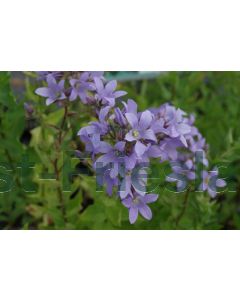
x=59, y=190
x=62, y=125
x=55, y=162
x=185, y=203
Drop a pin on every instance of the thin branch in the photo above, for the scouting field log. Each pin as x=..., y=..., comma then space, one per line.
x=183, y=210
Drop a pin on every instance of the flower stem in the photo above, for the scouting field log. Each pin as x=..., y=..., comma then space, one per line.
x=62, y=125
x=184, y=207
x=57, y=170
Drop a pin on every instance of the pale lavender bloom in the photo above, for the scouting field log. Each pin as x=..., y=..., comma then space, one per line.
x=90, y=136
x=110, y=184
x=119, y=117
x=210, y=182
x=197, y=143
x=102, y=124
x=42, y=75
x=169, y=149
x=182, y=174
x=171, y=122
x=107, y=94
x=179, y=179
x=176, y=118
x=153, y=151
x=54, y=91
x=133, y=181
x=80, y=87
x=130, y=107
x=132, y=160
x=189, y=169
x=103, y=177
x=139, y=204
x=141, y=130
x=114, y=155
x=96, y=74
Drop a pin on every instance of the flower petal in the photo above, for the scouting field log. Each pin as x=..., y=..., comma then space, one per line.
x=114, y=170
x=212, y=193
x=120, y=146
x=125, y=188
x=183, y=140
x=145, y=119
x=103, y=113
x=73, y=95
x=184, y=128
x=130, y=161
x=61, y=84
x=221, y=183
x=105, y=147
x=133, y=214
x=111, y=86
x=129, y=137
x=149, y=135
x=110, y=101
x=149, y=198
x=154, y=151
x=140, y=148
x=43, y=91
x=51, y=81
x=132, y=119
x=132, y=107
x=146, y=212
x=203, y=187
x=50, y=101
x=99, y=84
x=127, y=202
x=119, y=94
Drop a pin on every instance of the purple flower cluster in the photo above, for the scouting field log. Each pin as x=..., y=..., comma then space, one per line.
x=89, y=87
x=122, y=141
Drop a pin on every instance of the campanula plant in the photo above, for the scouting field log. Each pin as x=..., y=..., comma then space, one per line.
x=122, y=140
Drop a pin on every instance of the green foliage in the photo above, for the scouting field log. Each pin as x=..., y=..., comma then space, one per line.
x=214, y=97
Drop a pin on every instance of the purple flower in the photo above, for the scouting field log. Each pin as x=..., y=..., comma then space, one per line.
x=119, y=117
x=102, y=124
x=103, y=177
x=171, y=121
x=90, y=136
x=114, y=155
x=42, y=75
x=169, y=149
x=133, y=181
x=153, y=151
x=210, y=182
x=54, y=91
x=138, y=204
x=130, y=107
x=80, y=87
x=182, y=174
x=128, y=139
x=140, y=131
x=96, y=74
x=107, y=94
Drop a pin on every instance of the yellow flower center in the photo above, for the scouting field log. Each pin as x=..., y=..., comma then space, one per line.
x=135, y=133
x=136, y=201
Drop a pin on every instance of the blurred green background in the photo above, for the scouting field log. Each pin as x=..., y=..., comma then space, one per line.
x=214, y=98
